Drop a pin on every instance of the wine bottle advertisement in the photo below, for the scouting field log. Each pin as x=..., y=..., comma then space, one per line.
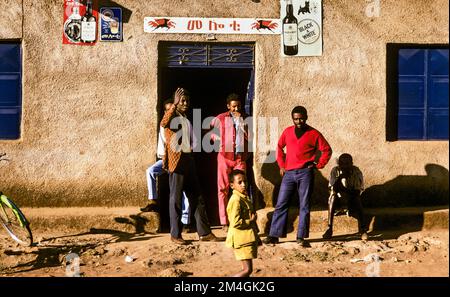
x=301, y=28
x=80, y=22
x=111, y=24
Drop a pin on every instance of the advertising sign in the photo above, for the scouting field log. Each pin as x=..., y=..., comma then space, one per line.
x=211, y=25
x=111, y=24
x=80, y=22
x=301, y=28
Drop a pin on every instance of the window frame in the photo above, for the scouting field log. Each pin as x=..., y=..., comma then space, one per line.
x=6, y=108
x=392, y=89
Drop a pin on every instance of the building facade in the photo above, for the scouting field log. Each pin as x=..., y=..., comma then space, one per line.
x=87, y=116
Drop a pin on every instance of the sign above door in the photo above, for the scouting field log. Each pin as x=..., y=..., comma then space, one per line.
x=212, y=25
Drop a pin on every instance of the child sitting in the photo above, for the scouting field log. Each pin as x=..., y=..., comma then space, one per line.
x=242, y=235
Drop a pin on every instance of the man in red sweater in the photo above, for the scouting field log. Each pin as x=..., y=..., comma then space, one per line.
x=302, y=143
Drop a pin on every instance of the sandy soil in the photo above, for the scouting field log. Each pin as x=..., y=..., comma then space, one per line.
x=104, y=253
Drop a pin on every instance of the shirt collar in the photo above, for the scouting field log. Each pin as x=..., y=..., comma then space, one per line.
x=240, y=194
x=180, y=114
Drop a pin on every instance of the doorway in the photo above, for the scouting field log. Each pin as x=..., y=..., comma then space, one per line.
x=210, y=72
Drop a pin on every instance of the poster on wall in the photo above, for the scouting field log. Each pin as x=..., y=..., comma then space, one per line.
x=111, y=24
x=211, y=25
x=301, y=28
x=80, y=22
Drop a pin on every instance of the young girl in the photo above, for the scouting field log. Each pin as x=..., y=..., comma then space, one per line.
x=242, y=235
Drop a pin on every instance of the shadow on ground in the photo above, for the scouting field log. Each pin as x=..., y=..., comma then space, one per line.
x=49, y=253
x=391, y=209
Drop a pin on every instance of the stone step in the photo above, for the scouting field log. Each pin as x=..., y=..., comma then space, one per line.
x=129, y=220
x=414, y=218
x=78, y=219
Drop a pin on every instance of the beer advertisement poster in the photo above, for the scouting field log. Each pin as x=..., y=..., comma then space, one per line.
x=301, y=28
x=80, y=22
x=111, y=24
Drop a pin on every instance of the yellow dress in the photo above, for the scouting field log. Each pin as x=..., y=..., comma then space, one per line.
x=242, y=235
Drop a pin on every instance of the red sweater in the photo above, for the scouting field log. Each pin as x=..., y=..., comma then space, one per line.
x=302, y=150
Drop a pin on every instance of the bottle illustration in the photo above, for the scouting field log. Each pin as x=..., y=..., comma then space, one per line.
x=88, y=25
x=72, y=26
x=290, y=31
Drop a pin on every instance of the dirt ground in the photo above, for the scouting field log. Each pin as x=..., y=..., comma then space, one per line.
x=101, y=253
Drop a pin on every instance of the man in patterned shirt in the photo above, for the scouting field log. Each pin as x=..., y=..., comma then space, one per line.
x=178, y=161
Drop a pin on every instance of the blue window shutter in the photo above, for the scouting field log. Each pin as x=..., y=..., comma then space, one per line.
x=411, y=62
x=437, y=103
x=411, y=92
x=9, y=123
x=10, y=57
x=438, y=124
x=423, y=93
x=411, y=88
x=438, y=62
x=410, y=124
x=10, y=90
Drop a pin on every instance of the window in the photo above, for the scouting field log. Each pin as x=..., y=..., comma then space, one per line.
x=420, y=93
x=10, y=90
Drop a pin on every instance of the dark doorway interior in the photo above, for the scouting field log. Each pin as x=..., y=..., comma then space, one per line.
x=209, y=88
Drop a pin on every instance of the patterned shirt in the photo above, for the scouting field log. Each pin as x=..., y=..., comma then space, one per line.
x=354, y=180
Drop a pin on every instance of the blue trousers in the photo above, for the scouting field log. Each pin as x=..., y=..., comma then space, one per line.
x=152, y=173
x=302, y=181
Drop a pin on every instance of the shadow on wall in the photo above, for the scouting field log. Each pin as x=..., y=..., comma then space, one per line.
x=403, y=191
x=319, y=200
x=411, y=190
x=396, y=207
x=256, y=194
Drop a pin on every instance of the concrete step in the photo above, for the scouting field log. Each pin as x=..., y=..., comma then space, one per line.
x=129, y=220
x=79, y=219
x=377, y=219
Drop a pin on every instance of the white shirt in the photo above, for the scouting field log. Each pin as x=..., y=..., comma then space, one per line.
x=160, y=151
x=239, y=128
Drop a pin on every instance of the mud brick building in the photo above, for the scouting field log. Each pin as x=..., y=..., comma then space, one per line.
x=79, y=124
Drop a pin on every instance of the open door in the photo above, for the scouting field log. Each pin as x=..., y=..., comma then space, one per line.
x=210, y=71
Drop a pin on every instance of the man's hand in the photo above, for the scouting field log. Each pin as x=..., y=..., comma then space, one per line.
x=253, y=217
x=338, y=187
x=282, y=171
x=178, y=94
x=312, y=165
x=236, y=114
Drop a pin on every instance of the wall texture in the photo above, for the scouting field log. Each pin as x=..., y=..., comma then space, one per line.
x=11, y=15
x=89, y=113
